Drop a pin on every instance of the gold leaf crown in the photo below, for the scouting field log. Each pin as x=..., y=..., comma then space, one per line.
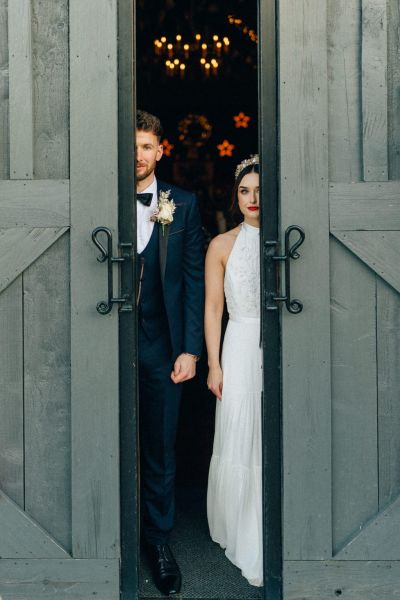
x=253, y=160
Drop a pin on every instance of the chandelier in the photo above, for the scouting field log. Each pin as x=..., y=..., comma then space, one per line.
x=205, y=53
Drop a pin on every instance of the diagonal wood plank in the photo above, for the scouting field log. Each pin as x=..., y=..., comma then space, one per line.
x=380, y=250
x=21, y=536
x=378, y=540
x=36, y=203
x=373, y=206
x=20, y=247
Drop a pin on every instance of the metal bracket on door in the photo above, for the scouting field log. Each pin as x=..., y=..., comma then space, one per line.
x=273, y=297
x=105, y=306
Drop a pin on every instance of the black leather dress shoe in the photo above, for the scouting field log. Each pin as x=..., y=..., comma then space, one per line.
x=166, y=573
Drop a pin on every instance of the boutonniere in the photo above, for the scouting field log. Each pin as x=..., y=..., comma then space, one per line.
x=165, y=209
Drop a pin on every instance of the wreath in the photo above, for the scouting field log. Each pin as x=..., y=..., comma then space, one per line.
x=194, y=130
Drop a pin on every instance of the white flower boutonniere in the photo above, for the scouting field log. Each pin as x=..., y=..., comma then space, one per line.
x=165, y=209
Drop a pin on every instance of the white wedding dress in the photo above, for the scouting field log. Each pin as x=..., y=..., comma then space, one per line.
x=234, y=495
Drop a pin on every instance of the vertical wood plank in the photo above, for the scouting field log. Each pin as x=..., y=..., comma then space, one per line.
x=4, y=104
x=94, y=338
x=306, y=337
x=50, y=81
x=388, y=327
x=374, y=90
x=47, y=392
x=354, y=394
x=21, y=91
x=11, y=393
x=345, y=134
x=394, y=88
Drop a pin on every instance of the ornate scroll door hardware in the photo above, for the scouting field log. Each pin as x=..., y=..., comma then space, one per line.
x=272, y=298
x=126, y=301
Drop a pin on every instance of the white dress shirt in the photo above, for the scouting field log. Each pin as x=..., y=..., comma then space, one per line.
x=144, y=213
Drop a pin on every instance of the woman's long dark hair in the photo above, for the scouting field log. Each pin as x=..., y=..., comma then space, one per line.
x=234, y=208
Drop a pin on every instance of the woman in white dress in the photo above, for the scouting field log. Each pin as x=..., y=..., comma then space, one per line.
x=234, y=505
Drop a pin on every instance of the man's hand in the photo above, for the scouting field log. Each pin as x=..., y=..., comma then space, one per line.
x=184, y=368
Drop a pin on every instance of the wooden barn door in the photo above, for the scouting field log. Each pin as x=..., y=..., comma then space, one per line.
x=340, y=180
x=59, y=467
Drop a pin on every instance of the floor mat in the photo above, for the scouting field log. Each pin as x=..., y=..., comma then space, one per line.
x=206, y=572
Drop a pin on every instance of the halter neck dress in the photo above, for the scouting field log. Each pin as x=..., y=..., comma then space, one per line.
x=234, y=495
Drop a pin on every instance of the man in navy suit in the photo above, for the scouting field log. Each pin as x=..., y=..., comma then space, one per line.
x=171, y=301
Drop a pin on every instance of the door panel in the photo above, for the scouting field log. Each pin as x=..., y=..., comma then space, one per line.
x=341, y=355
x=59, y=409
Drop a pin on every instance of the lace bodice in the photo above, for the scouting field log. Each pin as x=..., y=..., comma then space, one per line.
x=242, y=275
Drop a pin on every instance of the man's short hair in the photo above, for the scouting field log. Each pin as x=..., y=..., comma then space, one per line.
x=148, y=122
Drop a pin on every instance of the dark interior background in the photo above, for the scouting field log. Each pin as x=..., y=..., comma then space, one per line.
x=190, y=105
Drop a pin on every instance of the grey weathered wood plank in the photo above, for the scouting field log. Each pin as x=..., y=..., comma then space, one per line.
x=20, y=89
x=47, y=391
x=354, y=394
x=94, y=338
x=37, y=203
x=374, y=90
x=20, y=247
x=378, y=539
x=353, y=580
x=4, y=103
x=394, y=88
x=306, y=337
x=371, y=206
x=22, y=537
x=380, y=250
x=61, y=579
x=388, y=348
x=11, y=393
x=344, y=72
x=50, y=80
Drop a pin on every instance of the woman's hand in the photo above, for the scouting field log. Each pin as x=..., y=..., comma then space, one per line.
x=214, y=381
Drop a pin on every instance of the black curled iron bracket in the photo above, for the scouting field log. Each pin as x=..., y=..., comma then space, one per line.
x=271, y=298
x=105, y=306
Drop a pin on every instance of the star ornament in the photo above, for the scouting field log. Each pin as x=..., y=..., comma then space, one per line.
x=226, y=148
x=241, y=120
x=168, y=147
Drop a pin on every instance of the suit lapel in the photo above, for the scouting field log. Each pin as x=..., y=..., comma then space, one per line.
x=163, y=240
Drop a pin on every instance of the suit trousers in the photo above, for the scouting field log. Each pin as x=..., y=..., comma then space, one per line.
x=159, y=402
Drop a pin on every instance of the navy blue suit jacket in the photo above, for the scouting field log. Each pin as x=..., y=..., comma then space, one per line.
x=182, y=272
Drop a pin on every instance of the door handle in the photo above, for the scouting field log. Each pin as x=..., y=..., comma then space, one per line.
x=105, y=306
x=290, y=252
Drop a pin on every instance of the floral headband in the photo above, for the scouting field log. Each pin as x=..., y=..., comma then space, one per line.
x=253, y=160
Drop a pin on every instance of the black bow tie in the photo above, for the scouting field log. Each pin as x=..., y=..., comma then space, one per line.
x=144, y=198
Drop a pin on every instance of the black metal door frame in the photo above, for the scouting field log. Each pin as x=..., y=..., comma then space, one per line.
x=128, y=443
x=271, y=327
x=271, y=330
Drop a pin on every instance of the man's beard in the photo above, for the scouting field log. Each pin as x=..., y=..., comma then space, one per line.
x=146, y=173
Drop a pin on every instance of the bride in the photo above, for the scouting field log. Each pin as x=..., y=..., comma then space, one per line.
x=234, y=505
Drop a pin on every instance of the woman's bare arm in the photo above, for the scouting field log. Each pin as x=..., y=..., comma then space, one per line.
x=215, y=268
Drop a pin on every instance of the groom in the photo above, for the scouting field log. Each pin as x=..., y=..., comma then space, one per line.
x=170, y=309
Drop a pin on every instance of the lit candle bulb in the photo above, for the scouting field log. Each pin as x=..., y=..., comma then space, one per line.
x=226, y=44
x=207, y=67
x=204, y=49
x=170, y=48
x=186, y=48
x=219, y=47
x=157, y=47
x=182, y=68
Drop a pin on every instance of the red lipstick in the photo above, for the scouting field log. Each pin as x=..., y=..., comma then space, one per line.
x=253, y=208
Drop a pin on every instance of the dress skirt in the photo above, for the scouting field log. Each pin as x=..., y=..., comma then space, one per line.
x=234, y=497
